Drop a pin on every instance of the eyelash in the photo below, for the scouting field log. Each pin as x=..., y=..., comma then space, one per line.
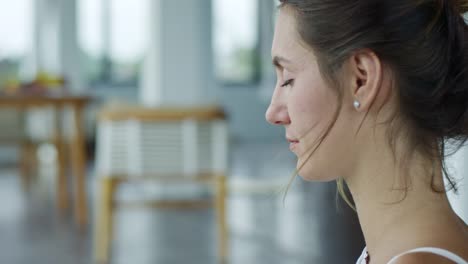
x=288, y=82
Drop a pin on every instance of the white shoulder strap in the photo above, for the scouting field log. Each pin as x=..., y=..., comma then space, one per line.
x=362, y=258
x=438, y=251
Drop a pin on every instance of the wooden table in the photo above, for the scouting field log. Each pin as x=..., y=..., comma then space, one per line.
x=77, y=150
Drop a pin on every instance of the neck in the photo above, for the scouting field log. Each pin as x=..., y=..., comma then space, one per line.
x=390, y=200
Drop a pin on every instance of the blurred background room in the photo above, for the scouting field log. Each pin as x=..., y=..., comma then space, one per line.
x=134, y=132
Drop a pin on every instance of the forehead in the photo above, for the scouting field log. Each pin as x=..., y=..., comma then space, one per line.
x=286, y=41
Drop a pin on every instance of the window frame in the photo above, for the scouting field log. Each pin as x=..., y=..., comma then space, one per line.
x=256, y=79
x=104, y=79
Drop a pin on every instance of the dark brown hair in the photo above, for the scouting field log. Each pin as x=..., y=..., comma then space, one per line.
x=423, y=42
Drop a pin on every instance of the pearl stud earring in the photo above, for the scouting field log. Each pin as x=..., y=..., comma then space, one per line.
x=357, y=104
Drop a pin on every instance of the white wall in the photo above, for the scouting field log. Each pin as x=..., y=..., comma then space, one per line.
x=185, y=60
x=458, y=168
x=247, y=115
x=247, y=105
x=179, y=68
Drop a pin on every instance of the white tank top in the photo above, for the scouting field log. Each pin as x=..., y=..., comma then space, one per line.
x=438, y=251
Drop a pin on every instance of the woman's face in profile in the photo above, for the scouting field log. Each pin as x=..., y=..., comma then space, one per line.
x=304, y=104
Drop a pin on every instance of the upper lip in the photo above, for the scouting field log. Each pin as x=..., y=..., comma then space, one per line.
x=292, y=140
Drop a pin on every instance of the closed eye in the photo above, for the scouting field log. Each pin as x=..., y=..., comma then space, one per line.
x=288, y=82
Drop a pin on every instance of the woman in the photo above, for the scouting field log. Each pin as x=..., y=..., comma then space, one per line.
x=370, y=92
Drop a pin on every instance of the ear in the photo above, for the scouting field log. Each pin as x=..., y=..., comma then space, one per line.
x=366, y=77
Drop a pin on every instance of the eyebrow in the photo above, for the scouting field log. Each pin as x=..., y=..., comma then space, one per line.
x=279, y=61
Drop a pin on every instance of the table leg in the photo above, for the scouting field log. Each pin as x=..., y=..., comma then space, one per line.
x=79, y=168
x=24, y=155
x=61, y=191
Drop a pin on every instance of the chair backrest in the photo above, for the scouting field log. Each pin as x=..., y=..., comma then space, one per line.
x=112, y=148
x=145, y=144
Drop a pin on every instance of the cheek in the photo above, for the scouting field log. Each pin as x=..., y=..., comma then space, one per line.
x=315, y=112
x=328, y=161
x=336, y=155
x=310, y=111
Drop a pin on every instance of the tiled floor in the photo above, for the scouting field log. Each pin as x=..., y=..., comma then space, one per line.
x=308, y=228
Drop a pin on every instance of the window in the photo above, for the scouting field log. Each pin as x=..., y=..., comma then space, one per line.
x=112, y=36
x=16, y=27
x=236, y=41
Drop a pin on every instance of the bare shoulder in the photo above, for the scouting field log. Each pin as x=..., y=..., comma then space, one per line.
x=420, y=257
x=451, y=238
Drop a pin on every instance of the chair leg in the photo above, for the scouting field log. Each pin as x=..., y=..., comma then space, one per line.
x=221, y=193
x=104, y=213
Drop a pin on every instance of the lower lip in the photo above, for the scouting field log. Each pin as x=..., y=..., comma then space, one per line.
x=293, y=145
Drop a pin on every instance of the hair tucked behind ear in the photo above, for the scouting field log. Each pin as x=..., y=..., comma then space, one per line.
x=423, y=42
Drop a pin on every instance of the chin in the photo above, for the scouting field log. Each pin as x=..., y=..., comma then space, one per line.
x=312, y=173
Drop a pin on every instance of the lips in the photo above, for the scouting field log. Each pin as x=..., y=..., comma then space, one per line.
x=292, y=143
x=292, y=140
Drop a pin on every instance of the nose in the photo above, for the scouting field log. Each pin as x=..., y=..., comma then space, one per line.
x=277, y=113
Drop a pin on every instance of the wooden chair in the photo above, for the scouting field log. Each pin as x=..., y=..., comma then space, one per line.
x=168, y=145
